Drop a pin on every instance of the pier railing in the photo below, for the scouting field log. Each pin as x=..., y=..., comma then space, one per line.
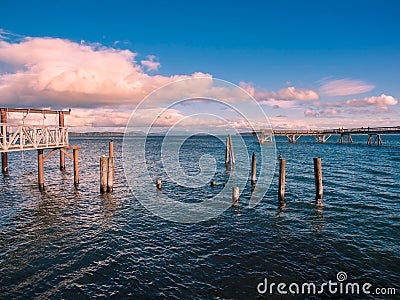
x=29, y=137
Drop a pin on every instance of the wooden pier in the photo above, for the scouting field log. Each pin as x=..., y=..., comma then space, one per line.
x=21, y=137
x=322, y=135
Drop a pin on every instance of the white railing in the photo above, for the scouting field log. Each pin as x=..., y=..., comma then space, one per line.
x=28, y=137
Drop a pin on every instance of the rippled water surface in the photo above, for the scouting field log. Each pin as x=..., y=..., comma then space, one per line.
x=75, y=243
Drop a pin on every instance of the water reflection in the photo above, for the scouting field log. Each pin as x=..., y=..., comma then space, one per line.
x=318, y=223
x=281, y=208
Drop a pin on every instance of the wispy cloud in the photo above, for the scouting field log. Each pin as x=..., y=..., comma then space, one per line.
x=345, y=87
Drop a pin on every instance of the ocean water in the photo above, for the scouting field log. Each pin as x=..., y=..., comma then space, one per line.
x=75, y=243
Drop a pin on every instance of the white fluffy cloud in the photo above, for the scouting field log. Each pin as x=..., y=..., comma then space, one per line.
x=61, y=73
x=382, y=101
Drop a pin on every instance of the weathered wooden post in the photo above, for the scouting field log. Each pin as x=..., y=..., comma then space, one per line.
x=227, y=150
x=76, y=167
x=40, y=170
x=232, y=150
x=110, y=175
x=253, y=169
x=62, y=154
x=111, y=148
x=318, y=180
x=4, y=155
x=103, y=174
x=159, y=184
x=235, y=195
x=281, y=184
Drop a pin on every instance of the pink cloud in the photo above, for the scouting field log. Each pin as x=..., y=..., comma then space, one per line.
x=291, y=93
x=61, y=73
x=345, y=87
x=382, y=101
x=150, y=63
x=322, y=113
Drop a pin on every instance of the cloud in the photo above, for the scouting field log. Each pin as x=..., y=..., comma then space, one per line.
x=322, y=113
x=61, y=73
x=382, y=101
x=345, y=87
x=150, y=63
x=291, y=93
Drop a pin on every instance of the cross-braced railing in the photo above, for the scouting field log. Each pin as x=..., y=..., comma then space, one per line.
x=28, y=137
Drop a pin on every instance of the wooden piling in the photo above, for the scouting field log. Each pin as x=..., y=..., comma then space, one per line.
x=103, y=174
x=318, y=180
x=235, y=195
x=232, y=150
x=159, y=184
x=111, y=148
x=253, y=169
x=76, y=167
x=110, y=175
x=227, y=150
x=40, y=170
x=4, y=155
x=62, y=154
x=282, y=176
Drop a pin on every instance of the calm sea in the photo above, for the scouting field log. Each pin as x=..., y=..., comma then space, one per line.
x=68, y=243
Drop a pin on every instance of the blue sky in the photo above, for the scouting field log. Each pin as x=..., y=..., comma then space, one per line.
x=271, y=45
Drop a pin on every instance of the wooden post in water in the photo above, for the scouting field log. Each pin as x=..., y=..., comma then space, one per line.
x=40, y=170
x=4, y=155
x=76, y=167
x=253, y=169
x=159, y=184
x=62, y=154
x=227, y=150
x=235, y=195
x=103, y=174
x=110, y=175
x=232, y=151
x=111, y=148
x=318, y=180
x=281, y=184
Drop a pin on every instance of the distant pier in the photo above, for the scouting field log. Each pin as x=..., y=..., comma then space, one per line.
x=322, y=135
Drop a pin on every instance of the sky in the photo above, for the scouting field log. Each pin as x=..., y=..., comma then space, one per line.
x=308, y=64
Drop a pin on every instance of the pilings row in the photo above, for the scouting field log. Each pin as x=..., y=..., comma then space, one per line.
x=282, y=181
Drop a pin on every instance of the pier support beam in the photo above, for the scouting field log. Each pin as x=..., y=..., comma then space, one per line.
x=4, y=155
x=40, y=170
x=62, y=155
x=345, y=137
x=376, y=140
x=76, y=167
